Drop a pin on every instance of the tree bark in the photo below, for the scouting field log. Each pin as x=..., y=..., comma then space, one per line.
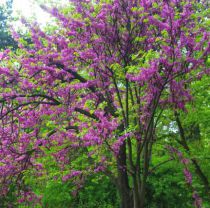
x=136, y=192
x=123, y=185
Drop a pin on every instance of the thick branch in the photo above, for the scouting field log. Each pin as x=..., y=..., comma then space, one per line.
x=86, y=113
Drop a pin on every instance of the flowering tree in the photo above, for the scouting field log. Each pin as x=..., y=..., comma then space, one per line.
x=99, y=84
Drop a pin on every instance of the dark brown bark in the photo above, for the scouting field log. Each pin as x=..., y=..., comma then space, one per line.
x=136, y=192
x=144, y=177
x=123, y=185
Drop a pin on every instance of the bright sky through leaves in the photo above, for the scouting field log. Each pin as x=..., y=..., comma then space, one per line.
x=31, y=9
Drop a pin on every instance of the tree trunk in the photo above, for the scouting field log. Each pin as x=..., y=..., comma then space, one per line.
x=123, y=185
x=136, y=192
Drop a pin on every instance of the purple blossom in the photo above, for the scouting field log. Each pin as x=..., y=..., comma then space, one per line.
x=188, y=176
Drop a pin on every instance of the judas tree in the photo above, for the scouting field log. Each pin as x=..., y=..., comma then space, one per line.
x=99, y=84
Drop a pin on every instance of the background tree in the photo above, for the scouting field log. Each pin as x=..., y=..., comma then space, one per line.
x=6, y=38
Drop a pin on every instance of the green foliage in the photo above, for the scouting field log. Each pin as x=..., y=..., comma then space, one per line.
x=98, y=192
x=167, y=188
x=57, y=194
